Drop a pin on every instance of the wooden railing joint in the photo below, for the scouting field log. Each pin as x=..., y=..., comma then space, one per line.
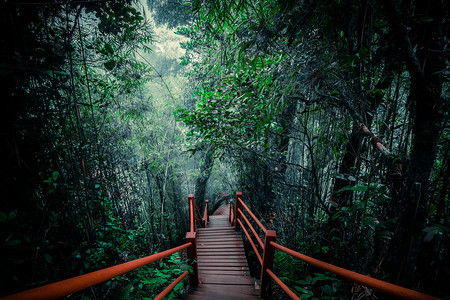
x=191, y=237
x=268, y=257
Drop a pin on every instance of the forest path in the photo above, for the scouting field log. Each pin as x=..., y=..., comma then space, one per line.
x=222, y=266
x=223, y=210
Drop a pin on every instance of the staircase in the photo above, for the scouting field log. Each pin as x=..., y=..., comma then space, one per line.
x=222, y=266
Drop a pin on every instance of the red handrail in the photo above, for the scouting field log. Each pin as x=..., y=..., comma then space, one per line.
x=171, y=286
x=202, y=221
x=205, y=215
x=252, y=215
x=373, y=283
x=199, y=215
x=268, y=254
x=231, y=214
x=282, y=285
x=251, y=228
x=191, y=212
x=69, y=286
x=251, y=242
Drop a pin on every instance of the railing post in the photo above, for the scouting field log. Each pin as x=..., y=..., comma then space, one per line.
x=230, y=214
x=192, y=256
x=191, y=212
x=206, y=215
x=268, y=256
x=236, y=211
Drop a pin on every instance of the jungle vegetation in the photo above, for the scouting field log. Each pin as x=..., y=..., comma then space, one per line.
x=332, y=118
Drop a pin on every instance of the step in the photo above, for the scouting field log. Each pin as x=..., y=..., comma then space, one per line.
x=207, y=272
x=225, y=289
x=226, y=280
x=218, y=233
x=219, y=241
x=220, y=246
x=208, y=260
x=220, y=252
x=229, y=268
x=219, y=237
x=209, y=229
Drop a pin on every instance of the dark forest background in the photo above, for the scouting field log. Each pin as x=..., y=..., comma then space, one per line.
x=330, y=116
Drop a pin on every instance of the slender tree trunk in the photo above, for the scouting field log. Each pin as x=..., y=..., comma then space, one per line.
x=425, y=67
x=205, y=172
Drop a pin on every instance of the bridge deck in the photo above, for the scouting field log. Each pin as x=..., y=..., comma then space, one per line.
x=222, y=265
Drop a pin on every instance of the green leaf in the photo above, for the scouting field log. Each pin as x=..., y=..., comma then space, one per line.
x=12, y=215
x=109, y=49
x=359, y=188
x=327, y=289
x=110, y=64
x=13, y=243
x=55, y=175
x=3, y=217
x=48, y=258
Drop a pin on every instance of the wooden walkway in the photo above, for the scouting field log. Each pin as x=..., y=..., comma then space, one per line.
x=222, y=266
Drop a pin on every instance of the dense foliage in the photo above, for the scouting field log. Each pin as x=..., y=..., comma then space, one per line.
x=335, y=113
x=330, y=116
x=89, y=179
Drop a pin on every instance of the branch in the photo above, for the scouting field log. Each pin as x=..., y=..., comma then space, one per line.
x=54, y=3
x=376, y=142
x=401, y=33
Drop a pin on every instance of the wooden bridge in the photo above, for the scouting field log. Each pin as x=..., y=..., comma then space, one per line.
x=216, y=254
x=222, y=266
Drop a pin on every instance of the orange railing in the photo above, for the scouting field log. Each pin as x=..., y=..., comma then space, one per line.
x=205, y=215
x=66, y=287
x=72, y=285
x=268, y=251
x=195, y=215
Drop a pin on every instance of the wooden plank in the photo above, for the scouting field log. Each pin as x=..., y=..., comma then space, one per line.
x=205, y=259
x=212, y=234
x=223, y=265
x=218, y=296
x=220, y=233
x=209, y=229
x=218, y=288
x=226, y=259
x=223, y=246
x=229, y=280
x=225, y=295
x=235, y=268
x=220, y=253
x=214, y=251
x=221, y=257
x=237, y=262
x=219, y=243
x=220, y=237
x=222, y=272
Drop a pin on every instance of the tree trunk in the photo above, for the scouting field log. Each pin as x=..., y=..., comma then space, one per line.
x=205, y=172
x=427, y=105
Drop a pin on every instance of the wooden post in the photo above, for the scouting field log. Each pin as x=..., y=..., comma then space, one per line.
x=192, y=256
x=236, y=211
x=206, y=215
x=268, y=256
x=191, y=212
x=230, y=214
